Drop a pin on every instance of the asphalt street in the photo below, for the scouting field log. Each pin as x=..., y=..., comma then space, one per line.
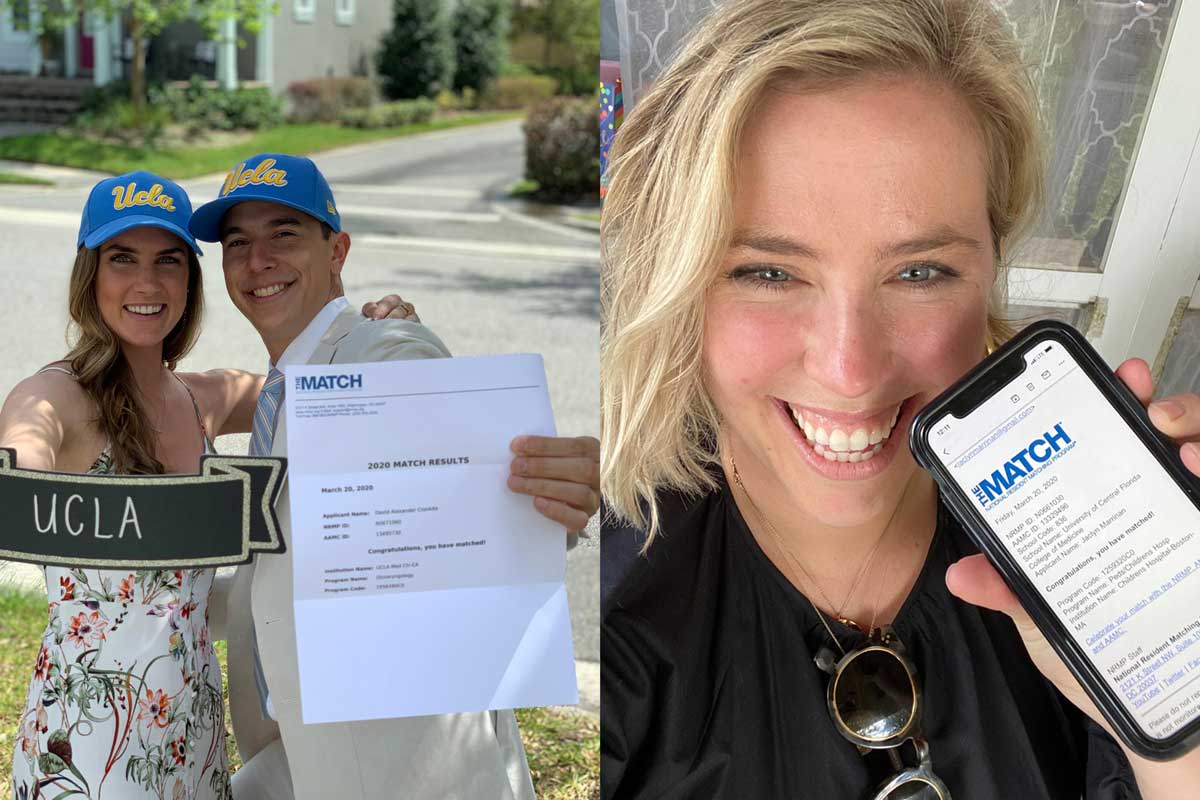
x=428, y=219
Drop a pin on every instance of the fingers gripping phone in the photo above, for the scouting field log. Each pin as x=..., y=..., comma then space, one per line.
x=1056, y=472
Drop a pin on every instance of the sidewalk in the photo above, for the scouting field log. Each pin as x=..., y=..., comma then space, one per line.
x=61, y=177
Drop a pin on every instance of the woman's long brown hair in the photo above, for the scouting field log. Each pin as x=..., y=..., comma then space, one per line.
x=104, y=374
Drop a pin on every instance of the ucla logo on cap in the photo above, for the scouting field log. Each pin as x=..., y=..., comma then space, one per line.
x=128, y=196
x=279, y=178
x=133, y=200
x=264, y=174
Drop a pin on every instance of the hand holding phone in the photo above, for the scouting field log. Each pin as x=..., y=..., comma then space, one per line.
x=1059, y=476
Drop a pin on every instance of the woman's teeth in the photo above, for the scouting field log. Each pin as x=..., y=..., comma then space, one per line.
x=836, y=444
x=267, y=291
x=148, y=311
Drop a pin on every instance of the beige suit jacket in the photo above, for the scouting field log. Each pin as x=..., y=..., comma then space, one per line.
x=476, y=756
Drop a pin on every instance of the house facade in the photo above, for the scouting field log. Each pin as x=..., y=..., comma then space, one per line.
x=303, y=39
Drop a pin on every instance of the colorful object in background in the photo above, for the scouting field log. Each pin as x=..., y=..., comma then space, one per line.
x=611, y=114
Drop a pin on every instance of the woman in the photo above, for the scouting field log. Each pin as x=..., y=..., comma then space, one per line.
x=804, y=239
x=125, y=700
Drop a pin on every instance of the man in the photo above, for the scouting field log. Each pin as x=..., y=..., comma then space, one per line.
x=283, y=250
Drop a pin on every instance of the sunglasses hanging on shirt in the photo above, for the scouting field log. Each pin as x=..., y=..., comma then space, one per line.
x=874, y=701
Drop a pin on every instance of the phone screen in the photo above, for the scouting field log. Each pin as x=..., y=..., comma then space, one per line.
x=1096, y=524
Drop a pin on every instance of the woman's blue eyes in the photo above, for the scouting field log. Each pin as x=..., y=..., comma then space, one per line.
x=770, y=275
x=920, y=273
x=125, y=258
x=918, y=276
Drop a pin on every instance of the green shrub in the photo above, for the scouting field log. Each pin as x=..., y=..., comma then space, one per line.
x=201, y=106
x=119, y=120
x=416, y=57
x=518, y=92
x=514, y=70
x=360, y=118
x=251, y=109
x=97, y=98
x=480, y=42
x=447, y=100
x=390, y=115
x=562, y=148
x=324, y=99
x=577, y=80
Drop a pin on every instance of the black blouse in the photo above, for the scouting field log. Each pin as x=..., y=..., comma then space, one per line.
x=709, y=689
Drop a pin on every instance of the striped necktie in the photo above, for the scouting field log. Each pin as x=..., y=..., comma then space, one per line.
x=261, y=438
x=266, y=414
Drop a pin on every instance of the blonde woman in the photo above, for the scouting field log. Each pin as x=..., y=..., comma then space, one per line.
x=804, y=241
x=125, y=698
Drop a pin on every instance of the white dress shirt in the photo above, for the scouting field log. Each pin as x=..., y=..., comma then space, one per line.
x=305, y=343
x=299, y=352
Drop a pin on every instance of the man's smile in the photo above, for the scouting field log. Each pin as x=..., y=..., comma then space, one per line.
x=269, y=291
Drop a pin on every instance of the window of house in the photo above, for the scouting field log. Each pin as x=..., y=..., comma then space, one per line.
x=343, y=12
x=304, y=10
x=20, y=15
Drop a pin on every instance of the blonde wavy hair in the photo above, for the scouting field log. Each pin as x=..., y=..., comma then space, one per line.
x=103, y=373
x=668, y=215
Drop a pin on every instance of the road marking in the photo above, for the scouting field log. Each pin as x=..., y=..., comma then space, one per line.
x=417, y=213
x=589, y=254
x=419, y=191
x=40, y=216
x=546, y=225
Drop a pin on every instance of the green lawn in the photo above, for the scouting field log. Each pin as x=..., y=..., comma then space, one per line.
x=563, y=747
x=177, y=164
x=12, y=177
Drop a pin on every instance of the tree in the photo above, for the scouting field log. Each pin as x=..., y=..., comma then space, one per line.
x=570, y=32
x=480, y=42
x=146, y=19
x=416, y=57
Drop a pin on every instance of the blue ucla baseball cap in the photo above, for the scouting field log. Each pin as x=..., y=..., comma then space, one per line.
x=134, y=200
x=275, y=178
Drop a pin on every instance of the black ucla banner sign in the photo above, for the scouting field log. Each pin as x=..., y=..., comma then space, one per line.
x=222, y=516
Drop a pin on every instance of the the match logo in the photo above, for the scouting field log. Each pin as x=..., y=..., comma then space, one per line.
x=325, y=383
x=1024, y=463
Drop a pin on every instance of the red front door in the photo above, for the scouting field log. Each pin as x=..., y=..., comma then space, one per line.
x=86, y=53
x=87, y=50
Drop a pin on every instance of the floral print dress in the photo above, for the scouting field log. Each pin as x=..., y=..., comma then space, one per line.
x=125, y=700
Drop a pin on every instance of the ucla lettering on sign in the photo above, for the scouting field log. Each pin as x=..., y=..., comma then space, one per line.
x=1025, y=462
x=264, y=173
x=129, y=196
x=316, y=383
x=223, y=515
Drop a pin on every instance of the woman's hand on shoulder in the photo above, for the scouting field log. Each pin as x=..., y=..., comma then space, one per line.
x=974, y=580
x=227, y=398
x=390, y=306
x=39, y=416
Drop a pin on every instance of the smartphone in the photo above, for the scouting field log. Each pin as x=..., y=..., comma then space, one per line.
x=1054, y=469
